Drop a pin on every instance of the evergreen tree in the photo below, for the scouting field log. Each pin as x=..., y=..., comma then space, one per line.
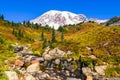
x=50, y=44
x=62, y=36
x=28, y=24
x=36, y=26
x=53, y=35
x=24, y=23
x=20, y=34
x=60, y=29
x=1, y=40
x=42, y=36
x=13, y=24
x=1, y=17
x=13, y=31
x=44, y=43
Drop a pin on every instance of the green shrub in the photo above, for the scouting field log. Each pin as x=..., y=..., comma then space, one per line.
x=112, y=71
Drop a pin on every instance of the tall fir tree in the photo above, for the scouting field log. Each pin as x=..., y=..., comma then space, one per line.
x=44, y=43
x=1, y=17
x=13, y=31
x=62, y=36
x=24, y=23
x=42, y=36
x=53, y=35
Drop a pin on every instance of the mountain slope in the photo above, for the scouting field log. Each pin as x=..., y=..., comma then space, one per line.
x=54, y=18
x=115, y=21
x=102, y=39
x=59, y=18
x=97, y=20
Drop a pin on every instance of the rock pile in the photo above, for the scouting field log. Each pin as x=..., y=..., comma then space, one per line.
x=52, y=65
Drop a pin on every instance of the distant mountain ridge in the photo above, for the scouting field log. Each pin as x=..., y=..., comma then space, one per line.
x=54, y=18
x=115, y=21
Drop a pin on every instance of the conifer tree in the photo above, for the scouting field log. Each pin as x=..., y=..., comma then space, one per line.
x=62, y=36
x=42, y=36
x=1, y=17
x=53, y=35
x=24, y=23
x=44, y=43
x=13, y=31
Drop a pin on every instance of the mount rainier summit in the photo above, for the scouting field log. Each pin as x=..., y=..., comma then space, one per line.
x=54, y=18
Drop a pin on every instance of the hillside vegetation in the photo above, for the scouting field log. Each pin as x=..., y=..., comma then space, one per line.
x=103, y=40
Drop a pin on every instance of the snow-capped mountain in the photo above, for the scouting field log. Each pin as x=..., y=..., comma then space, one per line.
x=56, y=18
x=98, y=20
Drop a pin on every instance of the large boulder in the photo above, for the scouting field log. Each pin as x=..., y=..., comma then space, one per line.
x=33, y=67
x=11, y=75
x=100, y=69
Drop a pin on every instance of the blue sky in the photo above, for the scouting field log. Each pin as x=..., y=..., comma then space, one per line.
x=20, y=10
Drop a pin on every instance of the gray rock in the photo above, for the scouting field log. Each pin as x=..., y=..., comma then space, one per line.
x=67, y=73
x=57, y=61
x=28, y=58
x=92, y=56
x=53, y=53
x=69, y=52
x=100, y=69
x=47, y=57
x=86, y=71
x=29, y=77
x=45, y=76
x=60, y=53
x=40, y=59
x=72, y=79
x=12, y=75
x=70, y=59
x=47, y=49
x=33, y=67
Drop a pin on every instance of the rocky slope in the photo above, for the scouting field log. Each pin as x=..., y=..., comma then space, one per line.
x=115, y=21
x=51, y=66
